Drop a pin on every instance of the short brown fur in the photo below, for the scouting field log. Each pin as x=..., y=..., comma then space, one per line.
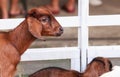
x=95, y=68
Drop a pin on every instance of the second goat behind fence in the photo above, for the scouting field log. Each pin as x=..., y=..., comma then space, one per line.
x=95, y=68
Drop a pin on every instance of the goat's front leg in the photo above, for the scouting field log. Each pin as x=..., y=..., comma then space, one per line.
x=7, y=72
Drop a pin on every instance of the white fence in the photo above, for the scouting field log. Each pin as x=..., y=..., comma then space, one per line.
x=89, y=52
x=81, y=54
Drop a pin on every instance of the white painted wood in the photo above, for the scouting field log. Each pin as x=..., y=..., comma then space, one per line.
x=50, y=53
x=69, y=21
x=9, y=23
x=104, y=51
x=37, y=54
x=83, y=18
x=75, y=63
x=103, y=20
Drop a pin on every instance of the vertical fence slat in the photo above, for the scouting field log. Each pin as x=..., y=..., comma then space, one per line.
x=83, y=17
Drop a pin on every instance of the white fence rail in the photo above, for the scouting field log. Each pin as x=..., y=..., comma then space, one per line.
x=82, y=52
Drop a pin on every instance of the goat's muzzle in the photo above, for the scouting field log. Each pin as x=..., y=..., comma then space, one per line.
x=60, y=32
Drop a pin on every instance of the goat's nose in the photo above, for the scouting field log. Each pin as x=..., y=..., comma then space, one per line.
x=61, y=29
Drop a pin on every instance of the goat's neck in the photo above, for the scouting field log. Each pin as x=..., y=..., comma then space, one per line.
x=90, y=72
x=21, y=38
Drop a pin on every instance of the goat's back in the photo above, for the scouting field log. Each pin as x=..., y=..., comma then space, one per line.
x=55, y=72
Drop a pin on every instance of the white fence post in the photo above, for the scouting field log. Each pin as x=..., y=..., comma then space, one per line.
x=83, y=33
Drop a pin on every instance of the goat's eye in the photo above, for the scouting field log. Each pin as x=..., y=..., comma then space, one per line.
x=44, y=19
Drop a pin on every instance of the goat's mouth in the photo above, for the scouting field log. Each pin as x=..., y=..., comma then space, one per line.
x=59, y=33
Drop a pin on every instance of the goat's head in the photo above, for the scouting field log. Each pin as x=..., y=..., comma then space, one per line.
x=41, y=22
x=105, y=61
x=98, y=66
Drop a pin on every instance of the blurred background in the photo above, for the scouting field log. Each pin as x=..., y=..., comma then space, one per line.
x=97, y=35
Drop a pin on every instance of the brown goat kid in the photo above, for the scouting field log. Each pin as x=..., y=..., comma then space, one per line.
x=39, y=22
x=95, y=68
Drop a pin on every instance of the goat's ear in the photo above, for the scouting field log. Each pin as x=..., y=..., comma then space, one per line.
x=35, y=27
